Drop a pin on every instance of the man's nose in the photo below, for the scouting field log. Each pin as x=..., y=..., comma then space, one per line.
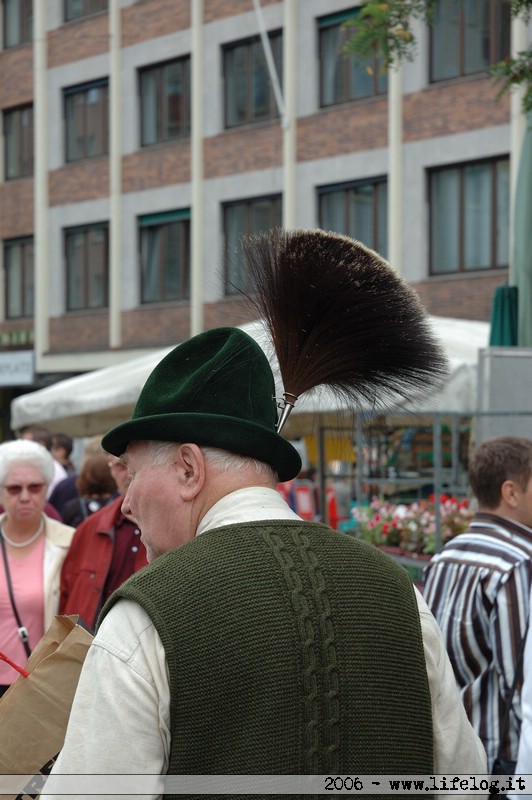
x=126, y=510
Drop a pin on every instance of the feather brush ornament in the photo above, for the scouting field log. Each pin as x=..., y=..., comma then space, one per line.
x=340, y=316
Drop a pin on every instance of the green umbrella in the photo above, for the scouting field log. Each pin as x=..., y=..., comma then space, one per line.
x=503, y=331
x=522, y=251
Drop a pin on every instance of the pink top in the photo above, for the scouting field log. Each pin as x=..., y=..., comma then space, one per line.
x=28, y=589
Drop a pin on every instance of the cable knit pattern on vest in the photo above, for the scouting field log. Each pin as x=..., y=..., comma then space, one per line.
x=291, y=649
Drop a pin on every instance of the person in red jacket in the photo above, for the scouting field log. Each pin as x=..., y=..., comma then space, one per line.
x=105, y=551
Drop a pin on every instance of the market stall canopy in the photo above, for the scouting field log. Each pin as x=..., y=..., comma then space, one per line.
x=92, y=403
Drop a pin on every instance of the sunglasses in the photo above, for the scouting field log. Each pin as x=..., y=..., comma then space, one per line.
x=15, y=488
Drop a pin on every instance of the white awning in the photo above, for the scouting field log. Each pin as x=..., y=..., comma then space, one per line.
x=92, y=403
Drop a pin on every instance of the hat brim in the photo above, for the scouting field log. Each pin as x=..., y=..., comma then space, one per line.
x=209, y=430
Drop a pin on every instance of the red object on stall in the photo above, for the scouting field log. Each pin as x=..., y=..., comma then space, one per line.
x=303, y=495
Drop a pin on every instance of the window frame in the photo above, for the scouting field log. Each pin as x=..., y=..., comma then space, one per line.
x=146, y=222
x=25, y=167
x=461, y=217
x=378, y=224
x=495, y=47
x=86, y=12
x=184, y=62
x=327, y=22
x=276, y=42
x=87, y=271
x=25, y=24
x=26, y=280
x=231, y=289
x=84, y=89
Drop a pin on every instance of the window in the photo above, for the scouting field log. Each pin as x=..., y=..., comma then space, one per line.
x=357, y=209
x=342, y=77
x=467, y=37
x=165, y=102
x=18, y=268
x=74, y=9
x=249, y=94
x=469, y=216
x=87, y=266
x=18, y=142
x=17, y=22
x=86, y=121
x=165, y=256
x=246, y=217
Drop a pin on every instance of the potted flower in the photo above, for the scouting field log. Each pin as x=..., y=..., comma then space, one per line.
x=411, y=528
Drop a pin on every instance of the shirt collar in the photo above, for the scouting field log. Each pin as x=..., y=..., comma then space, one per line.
x=252, y=504
x=510, y=525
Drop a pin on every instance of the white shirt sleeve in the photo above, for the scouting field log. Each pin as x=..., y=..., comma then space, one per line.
x=457, y=748
x=119, y=723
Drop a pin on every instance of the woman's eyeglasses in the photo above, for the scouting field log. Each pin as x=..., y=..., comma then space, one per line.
x=15, y=488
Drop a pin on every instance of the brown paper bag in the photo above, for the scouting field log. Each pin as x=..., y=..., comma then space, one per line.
x=34, y=711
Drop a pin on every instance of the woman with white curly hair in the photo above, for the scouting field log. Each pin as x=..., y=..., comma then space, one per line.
x=32, y=550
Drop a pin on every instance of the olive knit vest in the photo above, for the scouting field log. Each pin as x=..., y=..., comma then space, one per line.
x=291, y=649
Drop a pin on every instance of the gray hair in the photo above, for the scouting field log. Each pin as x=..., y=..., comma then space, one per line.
x=162, y=454
x=26, y=451
x=226, y=461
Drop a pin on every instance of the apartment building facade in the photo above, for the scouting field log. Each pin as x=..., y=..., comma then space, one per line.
x=142, y=138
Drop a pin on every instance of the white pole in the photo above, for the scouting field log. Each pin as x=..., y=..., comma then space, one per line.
x=290, y=113
x=270, y=63
x=517, y=131
x=196, y=278
x=395, y=137
x=40, y=127
x=115, y=179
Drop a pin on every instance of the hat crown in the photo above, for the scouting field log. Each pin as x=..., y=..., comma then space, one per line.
x=222, y=371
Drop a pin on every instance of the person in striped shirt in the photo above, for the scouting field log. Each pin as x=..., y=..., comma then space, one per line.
x=478, y=588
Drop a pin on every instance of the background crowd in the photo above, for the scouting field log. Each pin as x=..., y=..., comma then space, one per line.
x=67, y=544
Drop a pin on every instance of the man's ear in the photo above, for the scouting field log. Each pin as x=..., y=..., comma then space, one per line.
x=190, y=466
x=510, y=493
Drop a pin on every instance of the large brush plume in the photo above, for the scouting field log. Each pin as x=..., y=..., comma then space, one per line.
x=339, y=316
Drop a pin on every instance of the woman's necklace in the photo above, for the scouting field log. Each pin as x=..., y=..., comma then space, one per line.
x=28, y=541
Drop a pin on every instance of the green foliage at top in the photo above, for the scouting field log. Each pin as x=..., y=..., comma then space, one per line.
x=386, y=29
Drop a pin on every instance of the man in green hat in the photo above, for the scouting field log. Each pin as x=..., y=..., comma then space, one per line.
x=253, y=643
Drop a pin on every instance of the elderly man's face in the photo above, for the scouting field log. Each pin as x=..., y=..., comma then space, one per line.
x=153, y=501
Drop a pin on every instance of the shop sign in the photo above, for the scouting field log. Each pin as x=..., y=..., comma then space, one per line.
x=17, y=368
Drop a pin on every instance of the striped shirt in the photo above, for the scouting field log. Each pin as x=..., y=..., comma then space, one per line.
x=478, y=588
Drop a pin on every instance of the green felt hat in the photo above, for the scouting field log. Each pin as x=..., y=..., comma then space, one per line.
x=216, y=390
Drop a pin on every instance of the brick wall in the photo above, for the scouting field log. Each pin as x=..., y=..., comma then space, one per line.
x=228, y=312
x=16, y=76
x=74, y=183
x=157, y=326
x=80, y=332
x=161, y=326
x=344, y=129
x=16, y=208
x=78, y=39
x=463, y=297
x=244, y=150
x=148, y=19
x=147, y=326
x=440, y=110
x=218, y=9
x=158, y=166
